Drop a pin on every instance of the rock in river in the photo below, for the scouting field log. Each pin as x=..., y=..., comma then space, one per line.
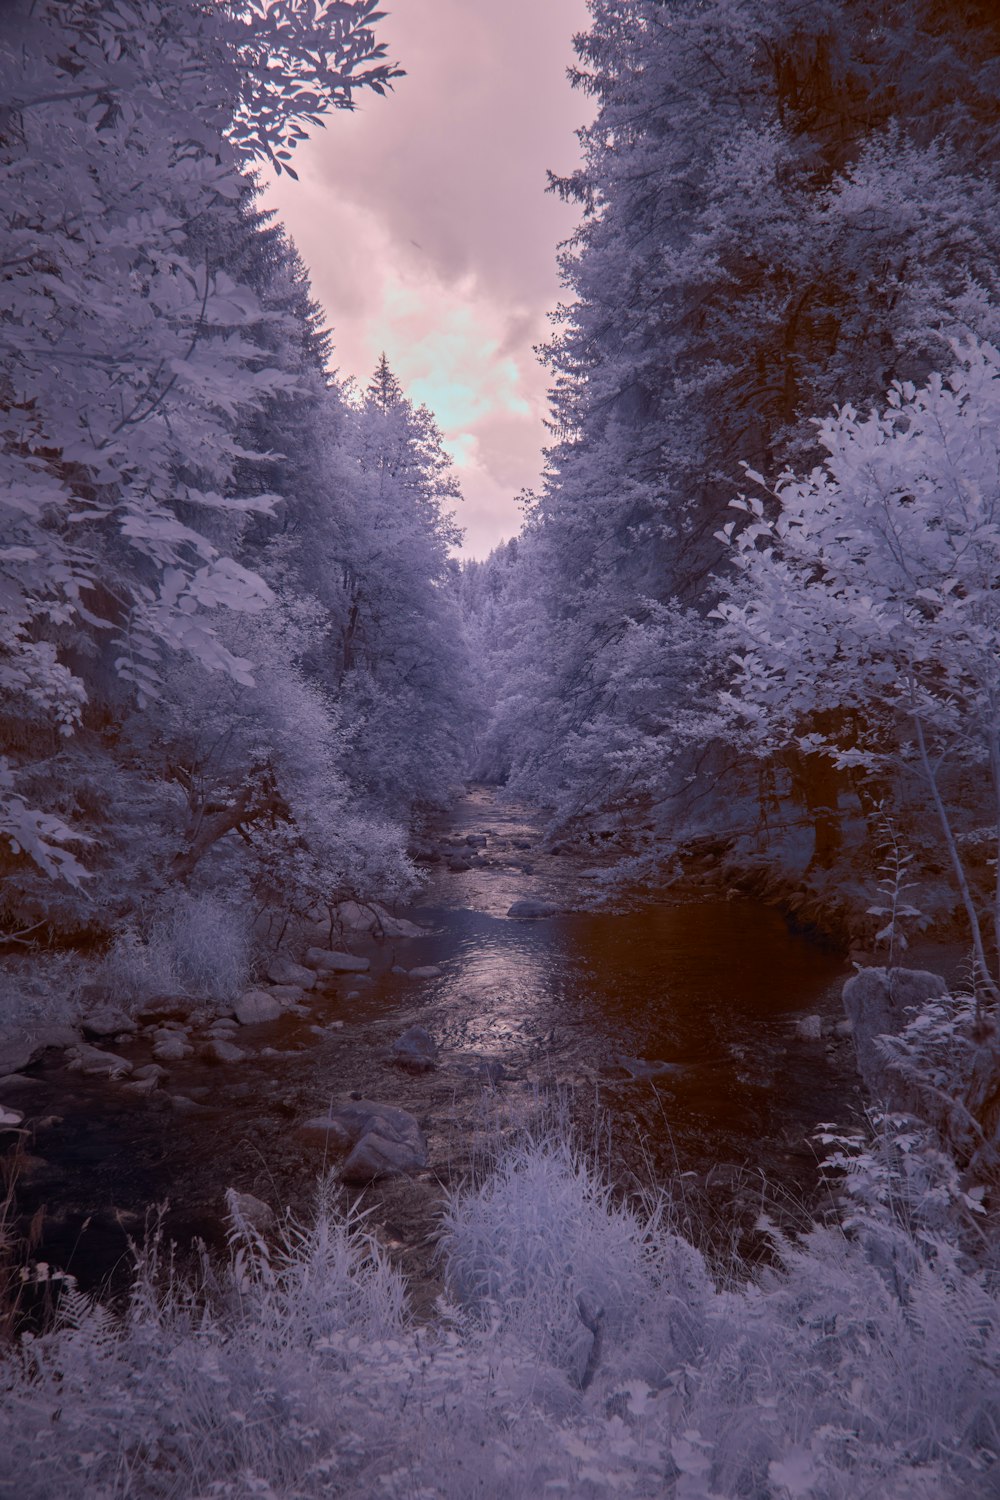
x=530, y=906
x=354, y=916
x=222, y=1052
x=171, y=1046
x=18, y=1052
x=255, y=1006
x=108, y=1021
x=381, y=1140
x=336, y=963
x=283, y=971
x=94, y=1063
x=415, y=1050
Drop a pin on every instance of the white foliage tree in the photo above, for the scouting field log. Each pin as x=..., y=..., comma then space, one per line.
x=867, y=592
x=128, y=356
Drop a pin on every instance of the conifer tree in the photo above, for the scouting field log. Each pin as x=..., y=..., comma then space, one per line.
x=781, y=208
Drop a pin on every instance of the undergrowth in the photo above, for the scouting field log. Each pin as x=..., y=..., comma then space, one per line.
x=197, y=946
x=585, y=1350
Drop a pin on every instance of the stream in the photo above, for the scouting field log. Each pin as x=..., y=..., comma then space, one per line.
x=672, y=1035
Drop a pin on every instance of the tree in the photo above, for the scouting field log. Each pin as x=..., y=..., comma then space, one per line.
x=129, y=357
x=405, y=680
x=781, y=206
x=865, y=608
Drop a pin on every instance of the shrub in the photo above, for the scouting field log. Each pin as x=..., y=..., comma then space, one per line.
x=193, y=945
x=297, y=1370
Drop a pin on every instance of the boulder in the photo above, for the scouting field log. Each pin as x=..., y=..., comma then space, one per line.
x=377, y=1155
x=878, y=1002
x=108, y=1021
x=94, y=1063
x=459, y=866
x=244, y=1208
x=355, y=916
x=336, y=963
x=426, y=971
x=150, y=1070
x=172, y=1046
x=809, y=1028
x=531, y=906
x=415, y=1050
x=10, y=1118
x=19, y=1052
x=56, y=1037
x=476, y=840
x=287, y=994
x=223, y=1052
x=379, y=1139
x=142, y=1086
x=256, y=1006
x=283, y=971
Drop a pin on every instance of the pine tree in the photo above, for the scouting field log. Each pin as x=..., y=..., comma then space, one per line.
x=782, y=208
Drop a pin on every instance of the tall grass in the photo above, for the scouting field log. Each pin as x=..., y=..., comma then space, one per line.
x=194, y=945
x=584, y=1350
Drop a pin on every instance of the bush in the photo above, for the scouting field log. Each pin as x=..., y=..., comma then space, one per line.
x=194, y=945
x=299, y=1372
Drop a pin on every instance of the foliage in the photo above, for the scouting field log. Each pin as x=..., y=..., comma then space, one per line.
x=226, y=578
x=867, y=593
x=129, y=354
x=194, y=945
x=893, y=887
x=863, y=1363
x=748, y=179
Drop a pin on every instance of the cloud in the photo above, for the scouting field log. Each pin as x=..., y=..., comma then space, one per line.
x=428, y=233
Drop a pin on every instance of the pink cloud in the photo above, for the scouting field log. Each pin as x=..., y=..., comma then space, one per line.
x=424, y=220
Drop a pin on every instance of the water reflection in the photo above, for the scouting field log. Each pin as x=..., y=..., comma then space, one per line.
x=683, y=1017
x=676, y=1021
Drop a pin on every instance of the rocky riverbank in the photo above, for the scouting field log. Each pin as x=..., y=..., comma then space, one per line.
x=709, y=1038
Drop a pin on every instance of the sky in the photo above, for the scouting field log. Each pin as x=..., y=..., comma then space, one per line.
x=428, y=233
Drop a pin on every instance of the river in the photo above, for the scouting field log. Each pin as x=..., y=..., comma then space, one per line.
x=672, y=1034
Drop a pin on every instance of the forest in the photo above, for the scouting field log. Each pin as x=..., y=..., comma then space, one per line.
x=740, y=664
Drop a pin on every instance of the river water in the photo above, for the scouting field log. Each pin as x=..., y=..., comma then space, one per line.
x=672, y=1033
